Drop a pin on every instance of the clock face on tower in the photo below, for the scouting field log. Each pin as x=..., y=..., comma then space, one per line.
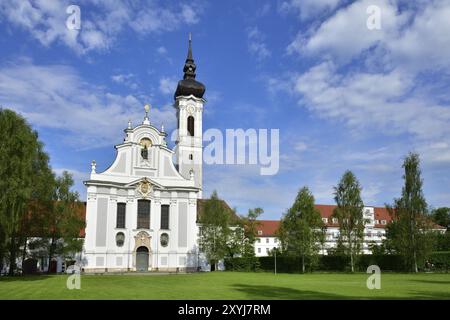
x=190, y=109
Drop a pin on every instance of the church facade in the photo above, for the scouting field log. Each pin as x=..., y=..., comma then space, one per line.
x=141, y=212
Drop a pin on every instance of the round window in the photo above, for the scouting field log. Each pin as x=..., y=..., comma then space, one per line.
x=164, y=239
x=120, y=239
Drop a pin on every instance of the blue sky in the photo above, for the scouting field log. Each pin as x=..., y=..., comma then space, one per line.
x=343, y=96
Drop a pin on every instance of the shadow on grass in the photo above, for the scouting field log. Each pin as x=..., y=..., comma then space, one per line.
x=427, y=295
x=272, y=292
x=445, y=282
x=24, y=278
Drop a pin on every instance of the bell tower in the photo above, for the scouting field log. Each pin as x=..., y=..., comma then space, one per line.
x=189, y=104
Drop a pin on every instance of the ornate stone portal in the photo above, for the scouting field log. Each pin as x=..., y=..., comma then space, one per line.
x=142, y=239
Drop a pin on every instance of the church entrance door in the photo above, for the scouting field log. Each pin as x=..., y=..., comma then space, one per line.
x=142, y=259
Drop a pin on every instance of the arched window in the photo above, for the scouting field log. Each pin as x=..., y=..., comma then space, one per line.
x=190, y=125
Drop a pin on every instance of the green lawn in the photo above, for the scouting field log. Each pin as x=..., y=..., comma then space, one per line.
x=229, y=285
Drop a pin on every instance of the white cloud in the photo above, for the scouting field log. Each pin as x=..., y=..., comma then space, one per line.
x=308, y=9
x=407, y=38
x=162, y=51
x=242, y=187
x=345, y=34
x=125, y=79
x=257, y=45
x=56, y=97
x=300, y=146
x=189, y=15
x=102, y=21
x=76, y=174
x=368, y=102
x=167, y=85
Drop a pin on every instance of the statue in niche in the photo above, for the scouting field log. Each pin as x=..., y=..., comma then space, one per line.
x=146, y=143
x=144, y=153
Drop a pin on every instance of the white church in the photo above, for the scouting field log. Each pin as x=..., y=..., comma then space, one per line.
x=141, y=212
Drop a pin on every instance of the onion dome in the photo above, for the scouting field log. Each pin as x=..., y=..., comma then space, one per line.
x=189, y=85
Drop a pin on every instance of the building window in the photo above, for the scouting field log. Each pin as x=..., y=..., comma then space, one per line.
x=259, y=232
x=275, y=240
x=165, y=209
x=191, y=157
x=120, y=239
x=383, y=221
x=164, y=239
x=259, y=250
x=143, y=218
x=335, y=220
x=267, y=240
x=258, y=240
x=267, y=250
x=120, y=218
x=325, y=220
x=190, y=125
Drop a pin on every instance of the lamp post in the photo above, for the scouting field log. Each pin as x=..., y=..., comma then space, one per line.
x=275, y=251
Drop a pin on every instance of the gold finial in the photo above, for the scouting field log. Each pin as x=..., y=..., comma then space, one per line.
x=147, y=108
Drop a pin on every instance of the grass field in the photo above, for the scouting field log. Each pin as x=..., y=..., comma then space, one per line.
x=229, y=285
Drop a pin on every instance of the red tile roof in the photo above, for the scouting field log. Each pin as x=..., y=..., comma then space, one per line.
x=268, y=228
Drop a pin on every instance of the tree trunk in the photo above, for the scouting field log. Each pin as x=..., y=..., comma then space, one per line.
x=24, y=251
x=351, y=261
x=12, y=255
x=303, y=263
x=351, y=252
x=413, y=243
x=51, y=252
x=415, y=261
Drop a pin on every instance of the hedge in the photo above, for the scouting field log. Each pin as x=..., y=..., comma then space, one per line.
x=289, y=264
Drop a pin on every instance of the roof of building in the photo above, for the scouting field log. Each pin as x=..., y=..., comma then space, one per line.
x=269, y=227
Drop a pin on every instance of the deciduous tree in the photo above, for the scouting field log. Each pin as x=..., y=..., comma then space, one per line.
x=349, y=212
x=215, y=231
x=409, y=234
x=301, y=229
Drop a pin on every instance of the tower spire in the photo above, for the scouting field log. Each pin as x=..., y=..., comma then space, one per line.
x=189, y=86
x=189, y=56
x=189, y=65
